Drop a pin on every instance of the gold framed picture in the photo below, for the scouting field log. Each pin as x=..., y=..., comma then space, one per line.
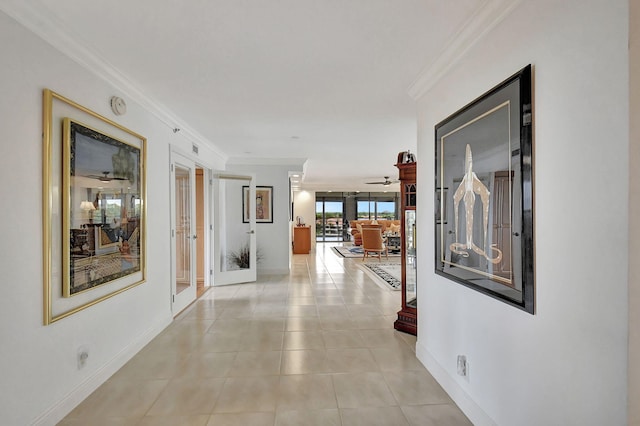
x=94, y=214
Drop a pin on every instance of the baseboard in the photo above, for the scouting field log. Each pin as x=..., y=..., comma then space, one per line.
x=63, y=407
x=468, y=406
x=273, y=271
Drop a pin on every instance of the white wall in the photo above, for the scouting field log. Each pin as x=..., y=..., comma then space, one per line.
x=272, y=239
x=567, y=363
x=634, y=213
x=40, y=380
x=304, y=204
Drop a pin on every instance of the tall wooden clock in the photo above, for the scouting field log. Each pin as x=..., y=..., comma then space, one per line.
x=408, y=316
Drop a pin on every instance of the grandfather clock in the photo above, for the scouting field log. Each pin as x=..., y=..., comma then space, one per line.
x=408, y=316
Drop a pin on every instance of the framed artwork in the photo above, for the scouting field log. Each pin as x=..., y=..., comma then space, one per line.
x=101, y=193
x=94, y=214
x=264, y=204
x=484, y=194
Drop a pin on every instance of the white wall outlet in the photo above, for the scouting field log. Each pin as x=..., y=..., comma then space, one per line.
x=82, y=356
x=463, y=367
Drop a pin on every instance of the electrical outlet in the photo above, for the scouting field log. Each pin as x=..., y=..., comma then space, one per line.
x=82, y=356
x=463, y=367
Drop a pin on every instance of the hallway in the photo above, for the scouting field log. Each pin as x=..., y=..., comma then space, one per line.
x=315, y=347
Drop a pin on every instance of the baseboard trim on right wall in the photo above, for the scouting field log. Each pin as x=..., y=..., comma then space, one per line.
x=468, y=406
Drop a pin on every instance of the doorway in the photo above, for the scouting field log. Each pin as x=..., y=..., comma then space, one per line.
x=189, y=222
x=329, y=219
x=201, y=235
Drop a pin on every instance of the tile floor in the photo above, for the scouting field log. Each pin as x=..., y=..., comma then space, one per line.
x=315, y=347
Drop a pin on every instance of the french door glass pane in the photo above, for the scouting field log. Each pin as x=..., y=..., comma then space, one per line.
x=333, y=220
x=183, y=228
x=234, y=235
x=319, y=220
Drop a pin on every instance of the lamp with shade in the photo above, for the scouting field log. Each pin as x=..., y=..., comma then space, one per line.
x=87, y=207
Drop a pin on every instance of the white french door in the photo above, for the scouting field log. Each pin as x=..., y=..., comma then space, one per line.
x=183, y=232
x=235, y=225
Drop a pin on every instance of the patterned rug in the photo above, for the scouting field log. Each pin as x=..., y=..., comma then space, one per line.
x=355, y=251
x=386, y=275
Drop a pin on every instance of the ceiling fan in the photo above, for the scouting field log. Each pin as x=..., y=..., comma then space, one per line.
x=105, y=177
x=386, y=182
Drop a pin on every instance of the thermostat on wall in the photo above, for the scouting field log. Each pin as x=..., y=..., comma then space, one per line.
x=118, y=105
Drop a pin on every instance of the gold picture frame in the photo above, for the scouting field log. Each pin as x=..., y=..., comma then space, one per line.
x=94, y=207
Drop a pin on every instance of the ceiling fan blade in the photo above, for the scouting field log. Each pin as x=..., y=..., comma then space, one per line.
x=100, y=178
x=105, y=177
x=385, y=182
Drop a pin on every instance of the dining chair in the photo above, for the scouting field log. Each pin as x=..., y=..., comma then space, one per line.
x=373, y=242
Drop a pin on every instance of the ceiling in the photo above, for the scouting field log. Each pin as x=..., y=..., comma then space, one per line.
x=323, y=80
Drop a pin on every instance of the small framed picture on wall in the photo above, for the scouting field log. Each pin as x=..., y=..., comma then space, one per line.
x=264, y=204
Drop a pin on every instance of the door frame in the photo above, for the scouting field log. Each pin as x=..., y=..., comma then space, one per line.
x=208, y=228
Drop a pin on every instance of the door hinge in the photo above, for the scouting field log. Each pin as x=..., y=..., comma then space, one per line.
x=173, y=298
x=171, y=168
x=210, y=227
x=173, y=233
x=210, y=271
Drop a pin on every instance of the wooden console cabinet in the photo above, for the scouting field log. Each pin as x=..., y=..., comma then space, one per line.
x=301, y=240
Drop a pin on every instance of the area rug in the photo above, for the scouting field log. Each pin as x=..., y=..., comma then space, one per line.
x=386, y=275
x=354, y=251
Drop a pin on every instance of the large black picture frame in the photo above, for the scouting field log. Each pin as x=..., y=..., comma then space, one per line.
x=484, y=157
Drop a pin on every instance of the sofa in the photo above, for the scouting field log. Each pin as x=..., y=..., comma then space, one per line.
x=387, y=225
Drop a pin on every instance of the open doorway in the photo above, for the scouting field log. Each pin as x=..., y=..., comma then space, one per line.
x=189, y=224
x=329, y=218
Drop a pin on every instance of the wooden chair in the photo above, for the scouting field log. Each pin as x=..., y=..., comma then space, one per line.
x=372, y=241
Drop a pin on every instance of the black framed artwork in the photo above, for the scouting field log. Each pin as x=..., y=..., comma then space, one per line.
x=264, y=204
x=484, y=221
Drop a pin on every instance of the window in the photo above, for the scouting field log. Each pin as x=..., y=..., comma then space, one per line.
x=385, y=210
x=334, y=210
x=329, y=218
x=365, y=208
x=377, y=206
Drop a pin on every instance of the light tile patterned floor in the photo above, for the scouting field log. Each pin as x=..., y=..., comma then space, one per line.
x=315, y=347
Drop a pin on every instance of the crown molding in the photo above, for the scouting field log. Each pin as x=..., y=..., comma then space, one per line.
x=297, y=164
x=485, y=18
x=40, y=21
x=349, y=187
